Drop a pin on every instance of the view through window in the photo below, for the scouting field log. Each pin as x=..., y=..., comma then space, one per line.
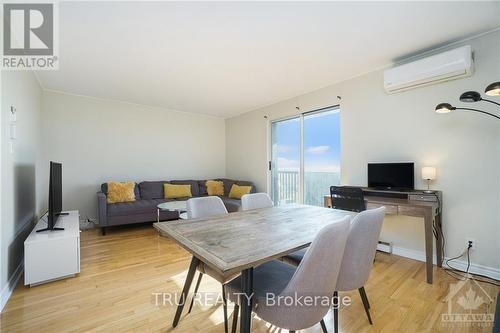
x=305, y=157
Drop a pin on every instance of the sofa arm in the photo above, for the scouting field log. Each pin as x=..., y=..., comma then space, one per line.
x=102, y=209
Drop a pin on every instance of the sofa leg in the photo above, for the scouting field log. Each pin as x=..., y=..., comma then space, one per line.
x=103, y=231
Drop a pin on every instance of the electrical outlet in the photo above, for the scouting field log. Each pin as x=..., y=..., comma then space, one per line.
x=471, y=241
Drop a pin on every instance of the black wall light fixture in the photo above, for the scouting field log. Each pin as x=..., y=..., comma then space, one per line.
x=447, y=108
x=471, y=97
x=474, y=96
x=493, y=89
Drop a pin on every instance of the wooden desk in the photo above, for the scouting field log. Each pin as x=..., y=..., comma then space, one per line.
x=237, y=242
x=414, y=203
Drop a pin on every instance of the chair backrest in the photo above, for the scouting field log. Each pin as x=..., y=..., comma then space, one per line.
x=205, y=207
x=347, y=198
x=316, y=276
x=360, y=249
x=256, y=201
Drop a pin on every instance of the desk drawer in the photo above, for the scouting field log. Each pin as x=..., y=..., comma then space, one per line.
x=423, y=197
x=412, y=211
x=389, y=209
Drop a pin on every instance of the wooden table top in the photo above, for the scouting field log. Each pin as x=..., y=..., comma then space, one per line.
x=236, y=241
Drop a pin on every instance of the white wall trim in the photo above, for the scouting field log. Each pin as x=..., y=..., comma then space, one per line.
x=491, y=272
x=14, y=278
x=151, y=107
x=11, y=285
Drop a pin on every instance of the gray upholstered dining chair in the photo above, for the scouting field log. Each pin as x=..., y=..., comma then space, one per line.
x=198, y=208
x=315, y=277
x=205, y=207
x=358, y=256
x=256, y=201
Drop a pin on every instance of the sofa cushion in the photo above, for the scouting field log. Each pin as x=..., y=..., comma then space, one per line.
x=232, y=205
x=228, y=183
x=151, y=190
x=202, y=187
x=135, y=207
x=246, y=183
x=120, y=192
x=104, y=189
x=215, y=187
x=140, y=218
x=237, y=191
x=195, y=191
x=176, y=191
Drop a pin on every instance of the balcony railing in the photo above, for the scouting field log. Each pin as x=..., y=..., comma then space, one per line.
x=286, y=186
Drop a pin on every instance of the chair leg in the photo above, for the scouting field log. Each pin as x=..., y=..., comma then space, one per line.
x=336, y=312
x=103, y=231
x=235, y=318
x=366, y=304
x=195, y=291
x=224, y=306
x=323, y=326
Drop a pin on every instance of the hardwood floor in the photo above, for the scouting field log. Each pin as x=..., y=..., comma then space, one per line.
x=121, y=271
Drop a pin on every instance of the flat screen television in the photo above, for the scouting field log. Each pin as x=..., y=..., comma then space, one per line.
x=391, y=176
x=55, y=197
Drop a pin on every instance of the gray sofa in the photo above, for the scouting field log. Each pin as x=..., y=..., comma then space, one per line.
x=148, y=195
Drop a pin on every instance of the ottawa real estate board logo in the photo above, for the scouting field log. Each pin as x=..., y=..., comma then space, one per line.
x=30, y=36
x=469, y=305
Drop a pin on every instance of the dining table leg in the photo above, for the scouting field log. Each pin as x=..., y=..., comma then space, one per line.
x=187, y=285
x=246, y=299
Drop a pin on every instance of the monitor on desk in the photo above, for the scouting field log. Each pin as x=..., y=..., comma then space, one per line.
x=391, y=176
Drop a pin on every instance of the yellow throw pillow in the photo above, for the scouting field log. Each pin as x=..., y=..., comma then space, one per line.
x=238, y=191
x=120, y=192
x=172, y=191
x=215, y=187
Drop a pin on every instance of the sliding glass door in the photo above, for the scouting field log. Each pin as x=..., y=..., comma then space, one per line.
x=321, y=154
x=305, y=157
x=285, y=162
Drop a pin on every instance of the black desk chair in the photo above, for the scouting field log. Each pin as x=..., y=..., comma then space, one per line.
x=347, y=198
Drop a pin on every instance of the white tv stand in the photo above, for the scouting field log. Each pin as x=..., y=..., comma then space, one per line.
x=53, y=255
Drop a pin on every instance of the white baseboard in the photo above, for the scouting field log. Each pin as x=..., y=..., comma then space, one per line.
x=11, y=285
x=491, y=272
x=14, y=278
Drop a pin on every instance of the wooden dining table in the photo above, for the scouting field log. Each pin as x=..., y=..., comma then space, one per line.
x=239, y=242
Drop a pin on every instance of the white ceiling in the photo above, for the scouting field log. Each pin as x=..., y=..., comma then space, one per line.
x=227, y=58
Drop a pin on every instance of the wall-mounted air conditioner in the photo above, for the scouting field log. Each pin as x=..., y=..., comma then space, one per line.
x=440, y=67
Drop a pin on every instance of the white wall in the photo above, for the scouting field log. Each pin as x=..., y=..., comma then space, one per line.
x=100, y=140
x=19, y=169
x=465, y=148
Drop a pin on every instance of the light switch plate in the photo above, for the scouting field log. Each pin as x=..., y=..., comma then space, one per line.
x=13, y=130
x=13, y=114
